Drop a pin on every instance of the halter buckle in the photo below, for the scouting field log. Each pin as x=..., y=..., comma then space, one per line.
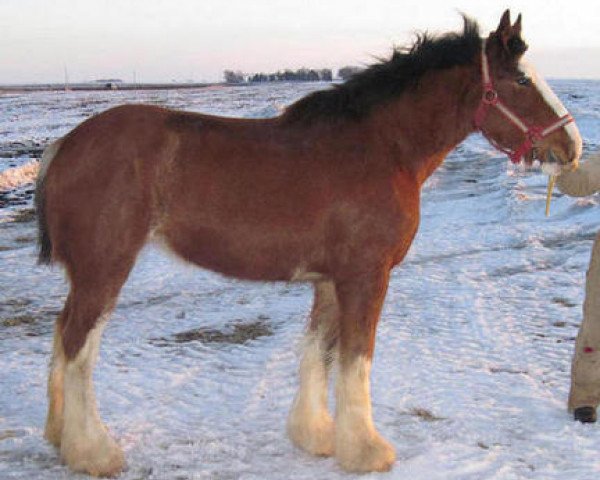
x=490, y=96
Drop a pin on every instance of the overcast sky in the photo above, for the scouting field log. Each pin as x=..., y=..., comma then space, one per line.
x=164, y=40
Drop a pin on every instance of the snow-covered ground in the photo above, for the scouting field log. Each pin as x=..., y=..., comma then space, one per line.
x=197, y=372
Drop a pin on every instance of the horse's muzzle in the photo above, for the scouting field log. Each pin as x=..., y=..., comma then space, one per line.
x=557, y=162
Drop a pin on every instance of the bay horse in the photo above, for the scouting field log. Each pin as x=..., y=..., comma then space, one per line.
x=328, y=193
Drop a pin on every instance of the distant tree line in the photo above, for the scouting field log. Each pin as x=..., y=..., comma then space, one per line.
x=234, y=77
x=346, y=72
x=300, y=75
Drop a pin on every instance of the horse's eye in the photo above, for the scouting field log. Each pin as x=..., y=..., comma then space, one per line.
x=524, y=80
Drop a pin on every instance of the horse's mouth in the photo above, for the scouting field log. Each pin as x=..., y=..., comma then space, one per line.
x=552, y=162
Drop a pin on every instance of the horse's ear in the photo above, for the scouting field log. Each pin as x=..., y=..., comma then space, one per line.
x=509, y=36
x=515, y=44
x=516, y=28
x=504, y=29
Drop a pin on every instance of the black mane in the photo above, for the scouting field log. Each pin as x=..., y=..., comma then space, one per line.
x=379, y=83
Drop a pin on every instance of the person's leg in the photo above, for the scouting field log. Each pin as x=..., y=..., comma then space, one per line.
x=585, y=372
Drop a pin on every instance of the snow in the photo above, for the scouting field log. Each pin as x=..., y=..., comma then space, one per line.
x=471, y=372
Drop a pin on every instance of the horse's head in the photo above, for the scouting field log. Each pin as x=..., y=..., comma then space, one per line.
x=518, y=112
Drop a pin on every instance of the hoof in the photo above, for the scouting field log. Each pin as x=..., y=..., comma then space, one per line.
x=101, y=457
x=367, y=455
x=585, y=414
x=316, y=437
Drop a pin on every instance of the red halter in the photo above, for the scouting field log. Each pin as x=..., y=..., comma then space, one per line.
x=490, y=98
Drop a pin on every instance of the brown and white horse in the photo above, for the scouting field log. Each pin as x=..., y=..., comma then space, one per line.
x=326, y=193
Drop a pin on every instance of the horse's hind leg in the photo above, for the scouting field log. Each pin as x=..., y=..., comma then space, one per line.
x=97, y=271
x=85, y=443
x=310, y=425
x=54, y=421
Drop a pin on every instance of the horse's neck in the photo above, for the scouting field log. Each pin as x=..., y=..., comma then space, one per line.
x=423, y=126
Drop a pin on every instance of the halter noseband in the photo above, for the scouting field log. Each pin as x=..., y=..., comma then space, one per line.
x=490, y=98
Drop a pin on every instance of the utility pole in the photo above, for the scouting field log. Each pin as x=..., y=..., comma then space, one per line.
x=66, y=78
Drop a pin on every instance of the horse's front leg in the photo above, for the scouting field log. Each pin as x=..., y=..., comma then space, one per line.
x=310, y=425
x=358, y=445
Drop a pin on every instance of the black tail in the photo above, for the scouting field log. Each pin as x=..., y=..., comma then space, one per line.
x=44, y=241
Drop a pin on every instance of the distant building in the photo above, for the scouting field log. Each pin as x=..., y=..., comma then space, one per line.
x=110, y=83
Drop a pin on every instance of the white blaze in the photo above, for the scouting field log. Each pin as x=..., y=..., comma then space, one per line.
x=553, y=102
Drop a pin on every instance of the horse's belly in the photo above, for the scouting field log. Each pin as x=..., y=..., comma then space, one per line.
x=244, y=254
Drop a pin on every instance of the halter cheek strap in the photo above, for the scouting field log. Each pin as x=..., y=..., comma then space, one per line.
x=490, y=99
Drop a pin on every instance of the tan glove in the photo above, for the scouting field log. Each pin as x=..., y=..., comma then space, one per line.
x=583, y=181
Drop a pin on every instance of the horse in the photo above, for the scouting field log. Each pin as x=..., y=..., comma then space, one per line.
x=328, y=192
